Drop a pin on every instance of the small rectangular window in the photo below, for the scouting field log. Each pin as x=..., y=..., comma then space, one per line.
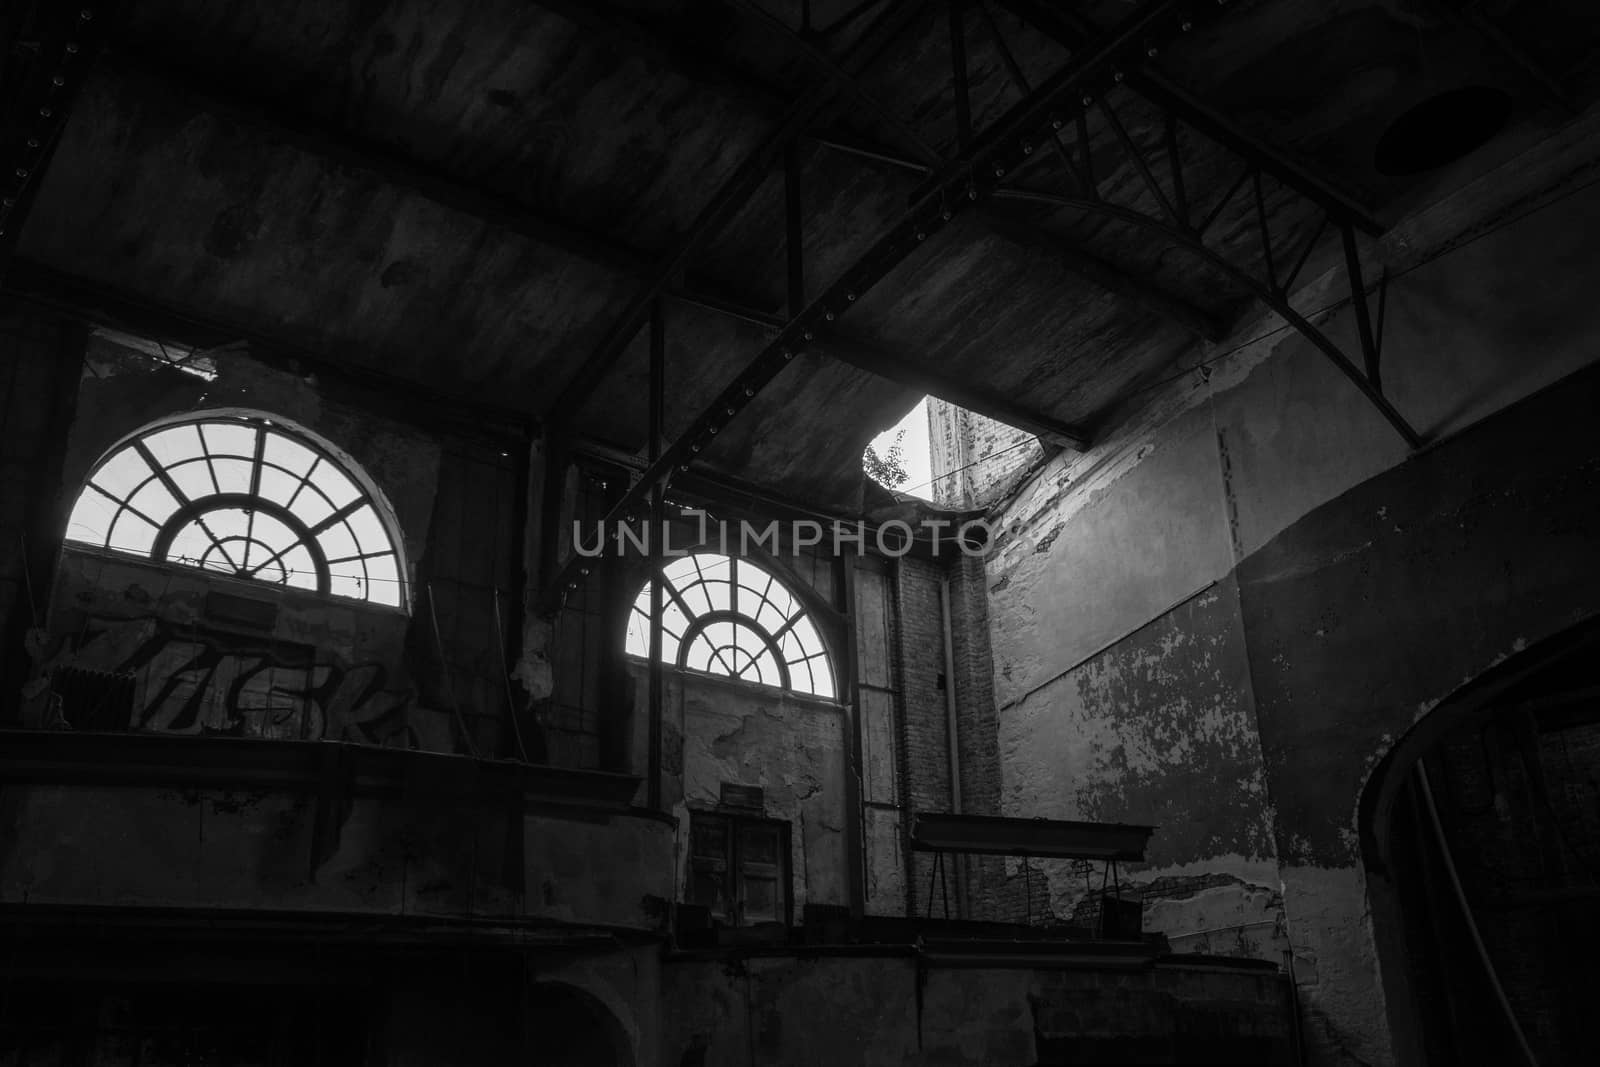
x=739, y=867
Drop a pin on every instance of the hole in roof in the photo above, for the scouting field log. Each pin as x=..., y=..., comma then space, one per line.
x=1441, y=130
x=950, y=457
x=898, y=457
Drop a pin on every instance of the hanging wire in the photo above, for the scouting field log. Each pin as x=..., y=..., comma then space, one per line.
x=505, y=671
x=449, y=678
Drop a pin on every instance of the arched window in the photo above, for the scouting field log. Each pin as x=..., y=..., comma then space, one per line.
x=242, y=495
x=728, y=616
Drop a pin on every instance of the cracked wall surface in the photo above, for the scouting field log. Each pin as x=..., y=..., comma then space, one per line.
x=1221, y=619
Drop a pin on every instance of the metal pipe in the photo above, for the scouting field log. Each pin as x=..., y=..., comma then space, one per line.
x=656, y=684
x=953, y=745
x=1466, y=913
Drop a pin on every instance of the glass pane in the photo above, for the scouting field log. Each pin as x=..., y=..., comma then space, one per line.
x=758, y=844
x=673, y=620
x=277, y=485
x=806, y=634
x=233, y=475
x=769, y=617
x=352, y=570
x=334, y=485
x=368, y=529
x=225, y=523
x=153, y=499
x=694, y=595
x=337, y=543
x=311, y=507
x=132, y=534
x=189, y=546
x=680, y=572
x=174, y=444
x=292, y=456
x=302, y=571
x=760, y=899
x=781, y=600
x=193, y=478
x=766, y=670
x=269, y=532
x=90, y=521
x=383, y=581
x=230, y=439
x=119, y=474
x=345, y=585
x=697, y=657
x=638, y=640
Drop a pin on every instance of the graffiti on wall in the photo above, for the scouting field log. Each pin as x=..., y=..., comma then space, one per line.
x=189, y=680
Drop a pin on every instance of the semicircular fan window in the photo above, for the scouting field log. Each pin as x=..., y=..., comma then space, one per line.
x=724, y=615
x=247, y=497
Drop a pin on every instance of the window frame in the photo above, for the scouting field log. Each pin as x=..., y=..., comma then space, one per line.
x=797, y=623
x=734, y=865
x=192, y=507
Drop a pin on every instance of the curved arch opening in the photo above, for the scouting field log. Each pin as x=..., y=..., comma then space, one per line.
x=574, y=1028
x=248, y=495
x=727, y=616
x=1480, y=839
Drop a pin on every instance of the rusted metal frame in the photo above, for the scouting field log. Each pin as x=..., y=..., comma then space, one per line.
x=959, y=183
x=1358, y=298
x=1140, y=164
x=963, y=394
x=656, y=681
x=1081, y=124
x=1227, y=198
x=1180, y=195
x=849, y=146
x=62, y=65
x=1306, y=248
x=1266, y=234
x=1018, y=75
x=1110, y=277
x=1271, y=298
x=847, y=82
x=1070, y=30
x=727, y=201
x=722, y=206
x=957, y=12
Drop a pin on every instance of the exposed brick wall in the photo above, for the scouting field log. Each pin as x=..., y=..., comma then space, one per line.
x=925, y=768
x=974, y=458
x=993, y=888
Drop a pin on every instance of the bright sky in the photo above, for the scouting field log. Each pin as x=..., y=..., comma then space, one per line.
x=913, y=450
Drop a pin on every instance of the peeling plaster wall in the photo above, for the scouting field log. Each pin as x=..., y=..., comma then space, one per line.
x=1219, y=620
x=326, y=666
x=718, y=730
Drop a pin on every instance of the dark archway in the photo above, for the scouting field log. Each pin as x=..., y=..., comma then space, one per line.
x=568, y=1027
x=1481, y=842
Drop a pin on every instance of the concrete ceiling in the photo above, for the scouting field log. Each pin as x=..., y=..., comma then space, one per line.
x=468, y=197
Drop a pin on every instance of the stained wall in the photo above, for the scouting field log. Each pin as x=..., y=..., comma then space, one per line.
x=1220, y=619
